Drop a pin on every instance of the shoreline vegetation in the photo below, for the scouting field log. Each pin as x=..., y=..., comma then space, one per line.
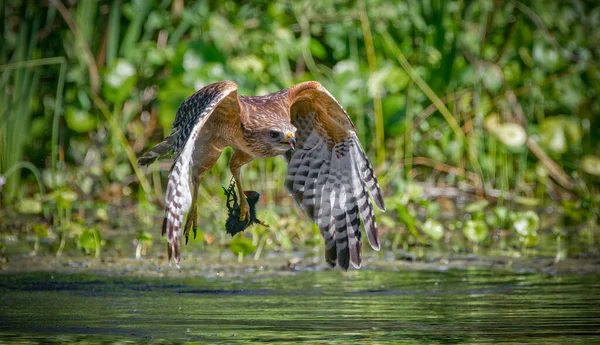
x=481, y=119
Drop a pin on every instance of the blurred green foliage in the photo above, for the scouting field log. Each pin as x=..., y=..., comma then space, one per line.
x=519, y=81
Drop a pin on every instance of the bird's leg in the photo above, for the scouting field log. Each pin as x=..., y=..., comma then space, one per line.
x=238, y=159
x=193, y=212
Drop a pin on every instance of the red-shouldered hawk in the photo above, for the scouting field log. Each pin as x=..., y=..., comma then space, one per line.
x=329, y=174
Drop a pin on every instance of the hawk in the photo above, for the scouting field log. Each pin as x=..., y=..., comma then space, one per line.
x=328, y=175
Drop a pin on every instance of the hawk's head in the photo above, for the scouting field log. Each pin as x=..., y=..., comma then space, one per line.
x=271, y=140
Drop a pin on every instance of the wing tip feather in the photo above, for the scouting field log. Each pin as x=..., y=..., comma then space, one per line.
x=379, y=201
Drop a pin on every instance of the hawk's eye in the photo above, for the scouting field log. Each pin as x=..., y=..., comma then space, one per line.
x=274, y=134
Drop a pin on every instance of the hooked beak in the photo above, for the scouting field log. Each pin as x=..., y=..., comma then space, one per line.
x=290, y=140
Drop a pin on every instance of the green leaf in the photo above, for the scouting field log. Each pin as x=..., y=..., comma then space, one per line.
x=475, y=230
x=477, y=206
x=65, y=197
x=414, y=191
x=102, y=214
x=492, y=77
x=29, y=206
x=240, y=244
x=144, y=236
x=511, y=135
x=499, y=217
x=317, y=49
x=575, y=212
x=433, y=229
x=405, y=217
x=531, y=240
x=89, y=240
x=527, y=201
x=591, y=165
x=560, y=133
x=285, y=241
x=80, y=120
x=119, y=81
x=526, y=223
x=41, y=230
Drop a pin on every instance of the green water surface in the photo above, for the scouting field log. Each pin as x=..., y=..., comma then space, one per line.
x=406, y=307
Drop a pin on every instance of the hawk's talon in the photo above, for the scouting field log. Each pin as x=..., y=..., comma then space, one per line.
x=190, y=223
x=244, y=209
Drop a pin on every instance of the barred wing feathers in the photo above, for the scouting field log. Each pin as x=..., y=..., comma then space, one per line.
x=191, y=116
x=330, y=176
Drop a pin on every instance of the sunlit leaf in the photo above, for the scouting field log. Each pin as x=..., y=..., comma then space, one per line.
x=492, y=77
x=527, y=201
x=89, y=240
x=531, y=240
x=29, y=206
x=192, y=61
x=526, y=223
x=414, y=191
x=433, y=229
x=80, y=120
x=591, y=165
x=475, y=230
x=65, y=197
x=119, y=81
x=511, y=134
x=240, y=244
x=317, y=49
x=102, y=214
x=406, y=218
x=477, y=206
x=144, y=236
x=499, y=217
x=546, y=55
x=247, y=64
x=559, y=133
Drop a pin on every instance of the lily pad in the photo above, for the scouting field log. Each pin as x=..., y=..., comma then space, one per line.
x=591, y=165
x=433, y=229
x=526, y=223
x=475, y=230
x=241, y=245
x=90, y=241
x=559, y=133
x=80, y=120
x=511, y=134
x=119, y=81
x=530, y=240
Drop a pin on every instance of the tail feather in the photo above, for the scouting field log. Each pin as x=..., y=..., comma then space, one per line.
x=160, y=150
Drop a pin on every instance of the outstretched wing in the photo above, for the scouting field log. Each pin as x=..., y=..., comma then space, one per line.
x=329, y=174
x=218, y=99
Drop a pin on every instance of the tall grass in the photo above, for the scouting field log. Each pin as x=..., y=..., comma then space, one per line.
x=98, y=34
x=18, y=84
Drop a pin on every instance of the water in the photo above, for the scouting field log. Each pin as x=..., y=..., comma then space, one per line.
x=412, y=307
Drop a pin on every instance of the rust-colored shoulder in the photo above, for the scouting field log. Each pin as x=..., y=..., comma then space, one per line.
x=293, y=91
x=312, y=99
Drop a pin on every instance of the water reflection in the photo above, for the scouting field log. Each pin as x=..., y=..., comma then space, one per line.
x=362, y=306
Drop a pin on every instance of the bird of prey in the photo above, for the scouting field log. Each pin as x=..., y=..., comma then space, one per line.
x=328, y=175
